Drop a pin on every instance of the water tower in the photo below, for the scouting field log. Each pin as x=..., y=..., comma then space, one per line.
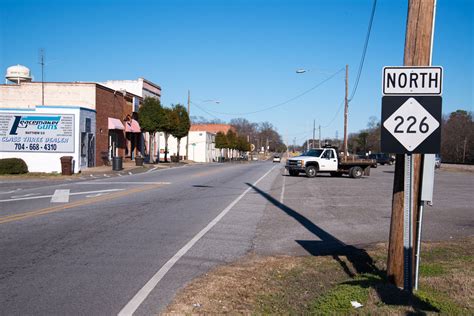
x=17, y=74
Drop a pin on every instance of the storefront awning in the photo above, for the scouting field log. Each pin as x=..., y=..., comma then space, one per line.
x=132, y=126
x=115, y=124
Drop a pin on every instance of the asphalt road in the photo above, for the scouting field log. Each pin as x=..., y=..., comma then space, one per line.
x=94, y=252
x=128, y=244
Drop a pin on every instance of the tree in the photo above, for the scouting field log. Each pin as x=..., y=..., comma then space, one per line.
x=268, y=136
x=457, y=137
x=362, y=141
x=243, y=127
x=221, y=141
x=149, y=116
x=231, y=137
x=181, y=123
x=166, y=125
x=242, y=144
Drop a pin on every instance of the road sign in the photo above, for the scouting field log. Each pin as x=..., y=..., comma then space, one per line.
x=411, y=124
x=412, y=80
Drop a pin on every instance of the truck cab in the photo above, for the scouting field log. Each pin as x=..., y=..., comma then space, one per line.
x=327, y=160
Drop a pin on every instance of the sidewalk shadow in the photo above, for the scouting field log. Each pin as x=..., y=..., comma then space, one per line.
x=360, y=260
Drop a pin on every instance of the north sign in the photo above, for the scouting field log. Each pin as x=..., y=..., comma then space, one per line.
x=412, y=80
x=411, y=124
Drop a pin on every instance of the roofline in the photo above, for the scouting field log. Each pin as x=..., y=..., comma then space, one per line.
x=151, y=83
x=97, y=84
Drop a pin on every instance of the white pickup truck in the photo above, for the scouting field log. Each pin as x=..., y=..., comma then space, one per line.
x=326, y=159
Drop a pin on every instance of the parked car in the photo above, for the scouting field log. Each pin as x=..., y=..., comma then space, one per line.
x=276, y=158
x=382, y=158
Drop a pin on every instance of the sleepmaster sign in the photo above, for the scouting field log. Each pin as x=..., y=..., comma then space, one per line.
x=36, y=133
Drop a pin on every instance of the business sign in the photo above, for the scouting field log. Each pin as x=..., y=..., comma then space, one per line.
x=21, y=132
x=412, y=80
x=411, y=124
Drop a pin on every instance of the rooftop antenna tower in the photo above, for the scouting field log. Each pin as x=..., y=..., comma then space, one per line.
x=41, y=62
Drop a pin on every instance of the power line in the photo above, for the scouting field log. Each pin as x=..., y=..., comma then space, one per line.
x=364, y=51
x=335, y=115
x=205, y=111
x=284, y=102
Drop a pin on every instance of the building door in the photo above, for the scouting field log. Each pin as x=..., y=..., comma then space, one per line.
x=90, y=150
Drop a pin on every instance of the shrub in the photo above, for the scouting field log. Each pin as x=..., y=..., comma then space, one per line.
x=13, y=166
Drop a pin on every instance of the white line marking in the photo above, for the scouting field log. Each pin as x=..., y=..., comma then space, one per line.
x=282, y=196
x=130, y=173
x=119, y=174
x=60, y=196
x=11, y=191
x=122, y=182
x=48, y=196
x=24, y=195
x=95, y=195
x=152, y=169
x=106, y=176
x=143, y=293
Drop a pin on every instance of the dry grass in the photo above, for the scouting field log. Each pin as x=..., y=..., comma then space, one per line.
x=327, y=284
x=457, y=168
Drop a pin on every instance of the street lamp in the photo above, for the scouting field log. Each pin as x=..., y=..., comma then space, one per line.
x=189, y=114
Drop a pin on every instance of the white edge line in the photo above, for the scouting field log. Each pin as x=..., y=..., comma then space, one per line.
x=143, y=293
x=282, y=196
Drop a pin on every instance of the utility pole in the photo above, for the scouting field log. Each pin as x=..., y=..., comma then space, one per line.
x=418, y=42
x=319, y=136
x=314, y=131
x=346, y=107
x=189, y=114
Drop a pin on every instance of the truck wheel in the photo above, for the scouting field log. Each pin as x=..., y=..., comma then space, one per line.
x=356, y=172
x=311, y=171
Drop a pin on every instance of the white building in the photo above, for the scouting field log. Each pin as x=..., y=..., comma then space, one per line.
x=140, y=87
x=43, y=134
x=201, y=146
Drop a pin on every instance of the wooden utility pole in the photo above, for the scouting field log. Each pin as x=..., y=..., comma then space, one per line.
x=418, y=41
x=319, y=136
x=346, y=108
x=189, y=114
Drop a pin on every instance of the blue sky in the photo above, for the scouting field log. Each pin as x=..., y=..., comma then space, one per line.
x=243, y=53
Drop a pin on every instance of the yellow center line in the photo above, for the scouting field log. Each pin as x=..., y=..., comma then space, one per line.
x=30, y=214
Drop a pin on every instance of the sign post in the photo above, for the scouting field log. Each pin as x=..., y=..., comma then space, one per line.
x=411, y=123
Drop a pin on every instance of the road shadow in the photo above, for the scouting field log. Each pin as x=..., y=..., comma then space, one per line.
x=359, y=260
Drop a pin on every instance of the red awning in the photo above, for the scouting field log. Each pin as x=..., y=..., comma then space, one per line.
x=132, y=126
x=115, y=124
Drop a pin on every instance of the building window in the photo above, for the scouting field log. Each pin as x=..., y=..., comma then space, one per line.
x=88, y=125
